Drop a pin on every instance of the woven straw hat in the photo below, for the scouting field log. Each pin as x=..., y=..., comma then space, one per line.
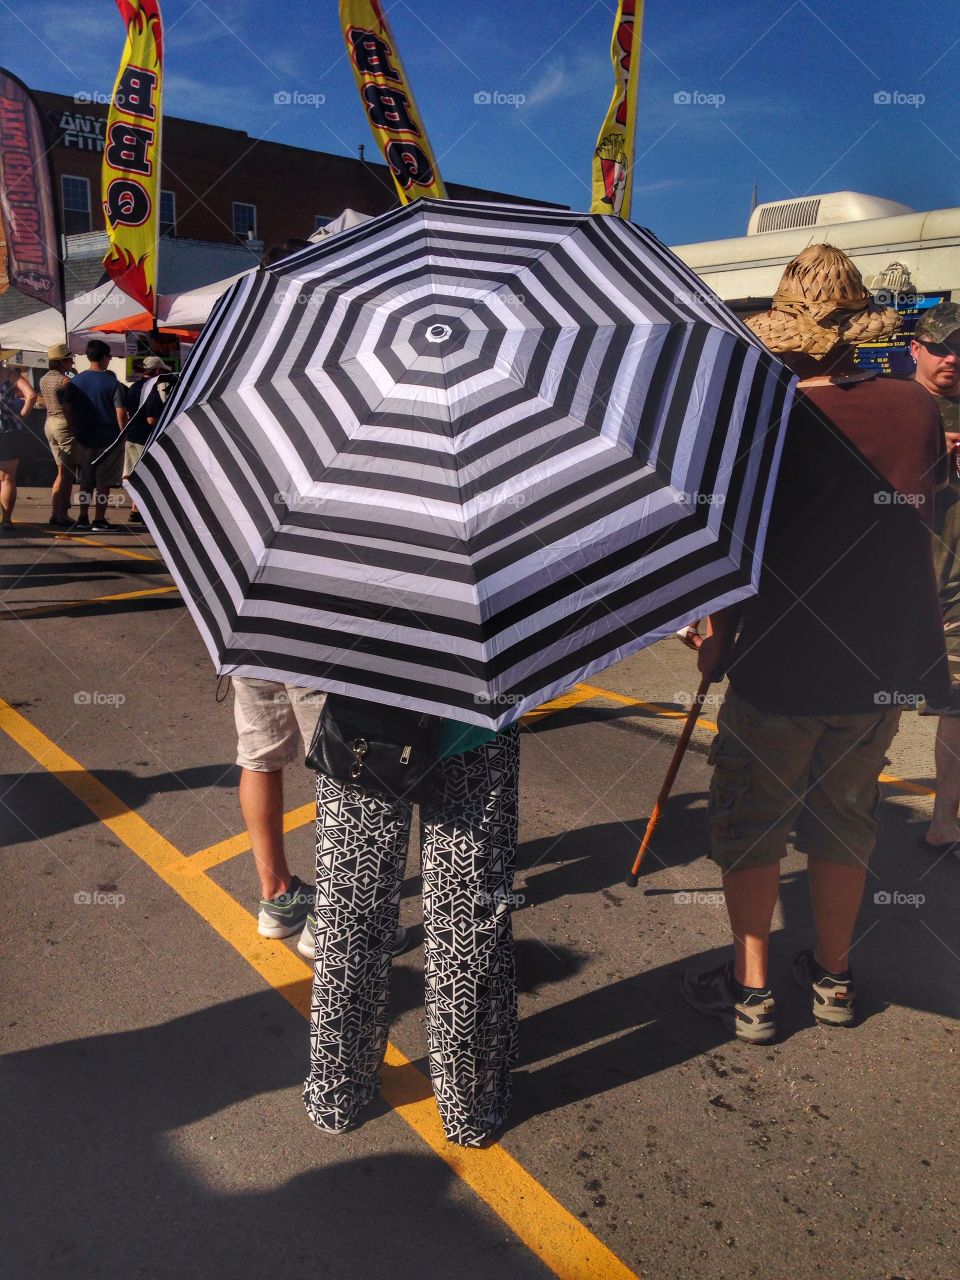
x=820, y=303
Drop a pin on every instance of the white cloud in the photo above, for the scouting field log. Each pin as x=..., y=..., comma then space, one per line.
x=590, y=74
x=551, y=85
x=657, y=188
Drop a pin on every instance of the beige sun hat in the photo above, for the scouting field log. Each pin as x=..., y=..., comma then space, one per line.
x=59, y=351
x=820, y=303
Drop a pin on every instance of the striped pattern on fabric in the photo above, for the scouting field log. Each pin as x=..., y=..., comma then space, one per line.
x=463, y=455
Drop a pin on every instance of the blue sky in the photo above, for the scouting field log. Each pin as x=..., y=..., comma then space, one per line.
x=798, y=82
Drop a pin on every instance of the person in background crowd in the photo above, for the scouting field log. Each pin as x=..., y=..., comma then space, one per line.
x=142, y=416
x=95, y=406
x=936, y=351
x=63, y=443
x=845, y=629
x=17, y=399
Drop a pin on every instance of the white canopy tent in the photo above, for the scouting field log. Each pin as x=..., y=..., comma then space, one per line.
x=193, y=307
x=37, y=332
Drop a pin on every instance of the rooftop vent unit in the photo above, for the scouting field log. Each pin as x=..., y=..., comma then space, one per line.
x=821, y=211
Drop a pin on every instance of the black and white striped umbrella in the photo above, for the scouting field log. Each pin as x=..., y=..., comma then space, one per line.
x=462, y=456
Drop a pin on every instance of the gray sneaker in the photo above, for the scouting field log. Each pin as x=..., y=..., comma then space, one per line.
x=833, y=994
x=284, y=915
x=307, y=944
x=749, y=1014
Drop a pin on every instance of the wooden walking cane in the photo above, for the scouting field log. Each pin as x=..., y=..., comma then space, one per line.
x=694, y=712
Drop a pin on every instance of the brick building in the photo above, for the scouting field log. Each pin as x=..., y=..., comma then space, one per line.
x=220, y=184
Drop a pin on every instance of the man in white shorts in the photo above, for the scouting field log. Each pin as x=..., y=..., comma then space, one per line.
x=275, y=726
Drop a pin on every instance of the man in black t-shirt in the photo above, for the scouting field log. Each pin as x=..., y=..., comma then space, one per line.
x=155, y=384
x=843, y=632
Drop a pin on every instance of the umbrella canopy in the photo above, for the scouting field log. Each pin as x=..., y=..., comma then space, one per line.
x=461, y=456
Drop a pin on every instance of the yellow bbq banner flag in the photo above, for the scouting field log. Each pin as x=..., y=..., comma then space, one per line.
x=388, y=101
x=130, y=177
x=613, y=158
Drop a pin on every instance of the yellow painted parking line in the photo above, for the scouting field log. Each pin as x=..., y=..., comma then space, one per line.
x=71, y=540
x=903, y=784
x=662, y=712
x=891, y=779
x=549, y=1230
x=232, y=847
x=579, y=693
x=35, y=611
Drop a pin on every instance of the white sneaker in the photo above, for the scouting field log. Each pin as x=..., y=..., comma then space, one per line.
x=282, y=916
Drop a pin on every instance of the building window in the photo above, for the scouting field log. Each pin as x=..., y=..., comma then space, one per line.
x=244, y=221
x=75, y=194
x=320, y=220
x=168, y=213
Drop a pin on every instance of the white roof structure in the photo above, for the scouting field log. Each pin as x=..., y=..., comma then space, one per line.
x=34, y=333
x=43, y=328
x=194, y=306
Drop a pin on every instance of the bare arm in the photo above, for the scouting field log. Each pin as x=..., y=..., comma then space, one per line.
x=715, y=647
x=29, y=396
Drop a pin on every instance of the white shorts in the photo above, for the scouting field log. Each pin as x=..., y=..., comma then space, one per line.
x=275, y=722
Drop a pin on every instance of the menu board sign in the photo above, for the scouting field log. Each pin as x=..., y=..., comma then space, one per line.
x=893, y=356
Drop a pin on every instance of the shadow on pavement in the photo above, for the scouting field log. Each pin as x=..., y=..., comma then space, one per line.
x=98, y=609
x=904, y=954
x=594, y=858
x=49, y=809
x=133, y=1158
x=49, y=574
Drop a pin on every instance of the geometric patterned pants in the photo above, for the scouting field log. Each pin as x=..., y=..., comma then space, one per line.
x=468, y=842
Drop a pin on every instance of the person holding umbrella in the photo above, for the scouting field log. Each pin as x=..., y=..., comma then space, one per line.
x=844, y=632
x=468, y=839
x=447, y=464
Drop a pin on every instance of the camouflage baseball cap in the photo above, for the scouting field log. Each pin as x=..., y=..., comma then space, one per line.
x=937, y=324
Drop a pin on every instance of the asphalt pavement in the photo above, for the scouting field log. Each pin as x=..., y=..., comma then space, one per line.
x=154, y=1047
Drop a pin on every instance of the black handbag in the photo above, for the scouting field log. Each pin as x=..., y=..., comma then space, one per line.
x=386, y=751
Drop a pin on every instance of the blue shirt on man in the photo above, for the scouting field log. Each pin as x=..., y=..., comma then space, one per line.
x=95, y=396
